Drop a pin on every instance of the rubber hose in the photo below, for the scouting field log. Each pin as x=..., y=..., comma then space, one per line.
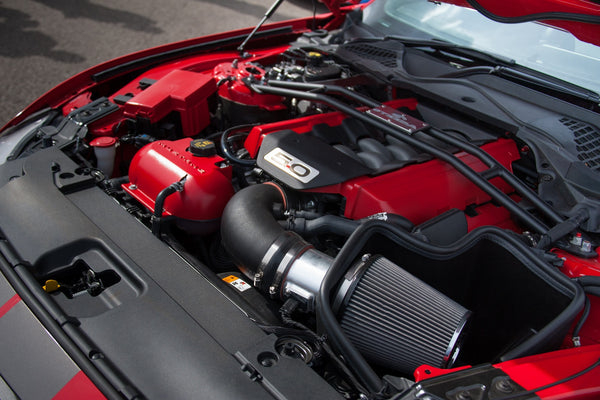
x=342, y=226
x=329, y=224
x=160, y=202
x=589, y=280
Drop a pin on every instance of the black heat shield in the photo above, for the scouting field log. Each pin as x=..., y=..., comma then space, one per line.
x=305, y=162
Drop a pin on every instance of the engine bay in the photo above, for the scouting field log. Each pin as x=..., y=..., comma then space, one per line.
x=372, y=225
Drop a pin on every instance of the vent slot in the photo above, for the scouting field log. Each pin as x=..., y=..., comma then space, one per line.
x=587, y=142
x=385, y=57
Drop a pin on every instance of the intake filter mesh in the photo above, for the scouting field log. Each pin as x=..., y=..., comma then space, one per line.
x=396, y=320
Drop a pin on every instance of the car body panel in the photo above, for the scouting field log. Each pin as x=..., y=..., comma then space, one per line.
x=166, y=323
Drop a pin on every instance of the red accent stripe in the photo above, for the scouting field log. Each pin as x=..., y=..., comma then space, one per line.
x=9, y=304
x=79, y=387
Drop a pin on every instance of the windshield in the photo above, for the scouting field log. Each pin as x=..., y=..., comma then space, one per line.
x=531, y=44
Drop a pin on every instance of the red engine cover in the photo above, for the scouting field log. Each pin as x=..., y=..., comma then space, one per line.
x=207, y=185
x=181, y=91
x=419, y=191
x=422, y=191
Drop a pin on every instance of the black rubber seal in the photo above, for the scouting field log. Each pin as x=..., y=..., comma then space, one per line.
x=563, y=16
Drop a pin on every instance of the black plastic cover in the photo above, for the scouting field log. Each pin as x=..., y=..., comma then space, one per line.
x=165, y=326
x=306, y=162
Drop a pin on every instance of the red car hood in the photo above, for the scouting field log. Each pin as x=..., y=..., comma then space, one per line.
x=580, y=17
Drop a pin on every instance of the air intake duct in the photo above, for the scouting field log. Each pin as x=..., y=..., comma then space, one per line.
x=396, y=320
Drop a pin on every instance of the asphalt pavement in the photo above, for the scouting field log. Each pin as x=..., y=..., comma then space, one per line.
x=44, y=42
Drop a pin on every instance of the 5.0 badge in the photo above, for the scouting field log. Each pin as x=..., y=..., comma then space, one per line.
x=291, y=165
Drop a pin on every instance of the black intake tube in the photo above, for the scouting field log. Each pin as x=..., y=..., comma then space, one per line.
x=248, y=228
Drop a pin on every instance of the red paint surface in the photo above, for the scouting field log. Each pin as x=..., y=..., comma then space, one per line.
x=182, y=91
x=79, y=387
x=79, y=84
x=575, y=267
x=235, y=90
x=419, y=192
x=306, y=124
x=9, y=304
x=427, y=371
x=543, y=369
x=516, y=8
x=540, y=370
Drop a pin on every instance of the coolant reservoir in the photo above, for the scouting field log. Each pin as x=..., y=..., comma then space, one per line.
x=207, y=185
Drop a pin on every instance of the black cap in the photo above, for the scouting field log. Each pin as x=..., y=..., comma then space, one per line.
x=202, y=148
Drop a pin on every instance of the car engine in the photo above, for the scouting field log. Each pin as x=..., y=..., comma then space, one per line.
x=367, y=223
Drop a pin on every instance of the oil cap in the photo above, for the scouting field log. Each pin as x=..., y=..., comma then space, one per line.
x=202, y=148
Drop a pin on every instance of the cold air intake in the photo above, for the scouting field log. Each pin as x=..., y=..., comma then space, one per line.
x=393, y=318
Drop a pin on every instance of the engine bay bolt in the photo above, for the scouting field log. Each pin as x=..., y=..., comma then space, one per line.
x=257, y=278
x=365, y=257
x=464, y=395
x=577, y=240
x=252, y=373
x=272, y=290
x=132, y=187
x=529, y=236
x=546, y=178
x=504, y=386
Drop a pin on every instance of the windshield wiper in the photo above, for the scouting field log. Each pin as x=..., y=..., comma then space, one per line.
x=531, y=78
x=499, y=66
x=502, y=66
x=440, y=44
